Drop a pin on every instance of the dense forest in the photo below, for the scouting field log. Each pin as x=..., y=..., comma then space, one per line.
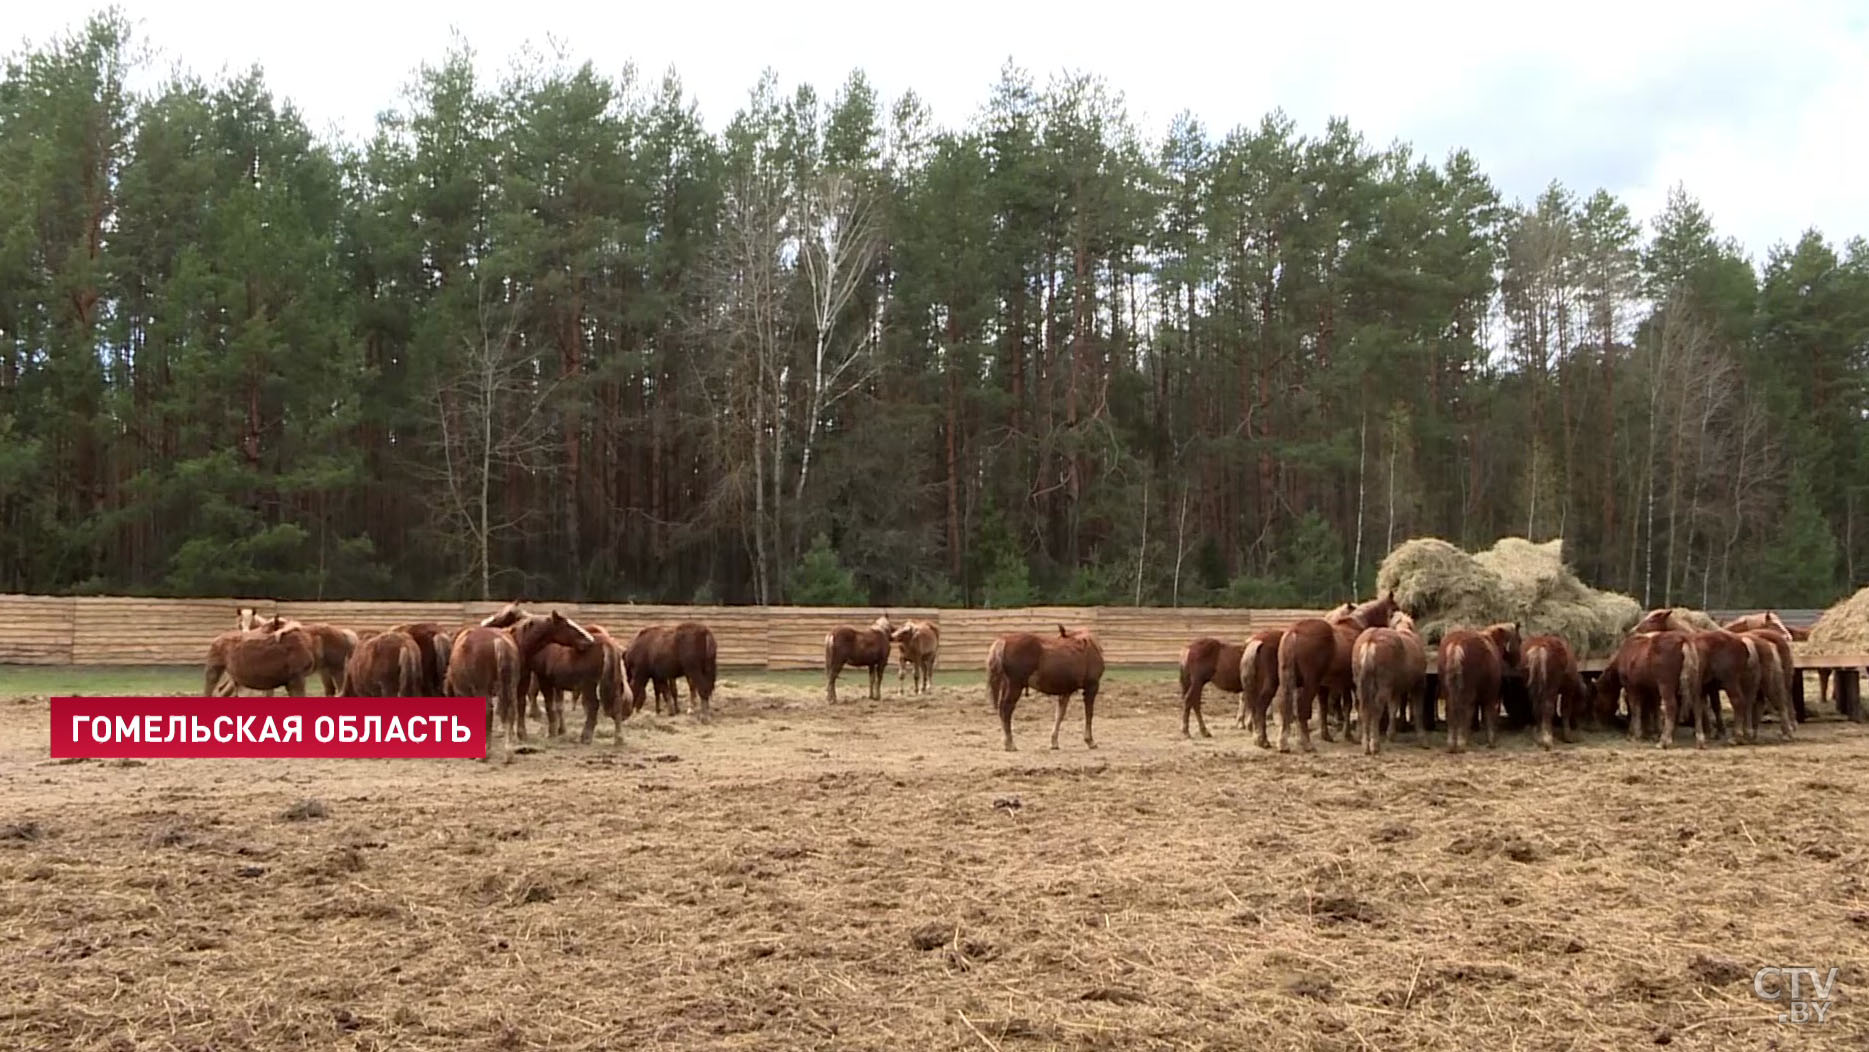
x=552, y=336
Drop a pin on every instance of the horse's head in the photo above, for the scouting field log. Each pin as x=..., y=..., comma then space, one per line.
x=1659, y=620
x=566, y=632
x=903, y=632
x=247, y=619
x=1401, y=622
x=505, y=617
x=1377, y=612
x=1509, y=638
x=883, y=625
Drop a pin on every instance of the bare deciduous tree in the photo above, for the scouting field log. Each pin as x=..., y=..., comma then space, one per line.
x=837, y=240
x=489, y=419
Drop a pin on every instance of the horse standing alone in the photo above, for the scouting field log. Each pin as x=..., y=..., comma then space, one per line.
x=1060, y=666
x=866, y=648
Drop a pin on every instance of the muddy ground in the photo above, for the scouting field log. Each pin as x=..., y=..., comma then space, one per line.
x=881, y=876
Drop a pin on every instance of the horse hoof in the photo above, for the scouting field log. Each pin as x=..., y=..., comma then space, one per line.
x=1204, y=734
x=1090, y=745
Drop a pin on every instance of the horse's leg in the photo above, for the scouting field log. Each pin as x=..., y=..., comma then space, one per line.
x=1700, y=717
x=1008, y=697
x=1190, y=702
x=1200, y=720
x=1308, y=693
x=1090, y=712
x=294, y=688
x=588, y=694
x=1670, y=708
x=1326, y=697
x=1064, y=702
x=833, y=668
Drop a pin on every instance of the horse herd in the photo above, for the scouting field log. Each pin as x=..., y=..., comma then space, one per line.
x=1368, y=661
x=1363, y=663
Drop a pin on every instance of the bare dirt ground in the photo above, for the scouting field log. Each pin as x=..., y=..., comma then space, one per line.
x=882, y=876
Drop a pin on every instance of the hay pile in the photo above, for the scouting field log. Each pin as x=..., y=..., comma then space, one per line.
x=1844, y=628
x=1515, y=580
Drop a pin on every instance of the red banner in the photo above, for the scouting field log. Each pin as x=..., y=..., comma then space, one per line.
x=270, y=728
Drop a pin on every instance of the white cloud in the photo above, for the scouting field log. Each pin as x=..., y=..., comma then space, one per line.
x=1756, y=108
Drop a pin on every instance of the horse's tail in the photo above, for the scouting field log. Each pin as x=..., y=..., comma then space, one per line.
x=995, y=671
x=1249, y=667
x=1690, y=670
x=610, y=682
x=1538, y=673
x=1367, y=666
x=409, y=664
x=1185, y=677
x=441, y=644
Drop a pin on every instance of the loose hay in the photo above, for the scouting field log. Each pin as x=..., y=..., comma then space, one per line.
x=1408, y=901
x=1844, y=628
x=1445, y=588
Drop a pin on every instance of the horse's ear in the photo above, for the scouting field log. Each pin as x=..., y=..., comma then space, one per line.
x=1062, y=632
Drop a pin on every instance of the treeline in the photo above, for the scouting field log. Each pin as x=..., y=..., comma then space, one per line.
x=551, y=336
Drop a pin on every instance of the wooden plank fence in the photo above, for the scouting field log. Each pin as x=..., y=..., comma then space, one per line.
x=115, y=630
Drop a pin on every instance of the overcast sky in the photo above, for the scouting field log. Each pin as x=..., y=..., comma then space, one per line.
x=1762, y=116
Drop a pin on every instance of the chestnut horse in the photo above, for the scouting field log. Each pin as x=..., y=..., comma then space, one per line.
x=1556, y=687
x=1748, y=658
x=1655, y=668
x=919, y=642
x=1059, y=667
x=594, y=675
x=435, y=643
x=279, y=654
x=331, y=647
x=1391, y=667
x=1771, y=628
x=1207, y=660
x=866, y=648
x=663, y=652
x=1472, y=668
x=1314, y=662
x=485, y=662
x=532, y=633
x=387, y=665
x=1258, y=681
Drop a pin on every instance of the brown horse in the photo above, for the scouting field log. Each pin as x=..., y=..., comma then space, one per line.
x=1472, y=667
x=1207, y=660
x=663, y=652
x=1391, y=667
x=1556, y=686
x=1059, y=667
x=1654, y=668
x=331, y=646
x=1258, y=681
x=594, y=675
x=1769, y=627
x=1314, y=662
x=918, y=642
x=279, y=654
x=435, y=643
x=485, y=662
x=387, y=665
x=866, y=648
x=532, y=633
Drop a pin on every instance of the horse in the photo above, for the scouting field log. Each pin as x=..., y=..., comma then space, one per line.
x=435, y=644
x=1771, y=628
x=485, y=662
x=866, y=648
x=1258, y=681
x=1060, y=667
x=663, y=652
x=387, y=665
x=532, y=633
x=331, y=646
x=1555, y=683
x=1207, y=660
x=279, y=654
x=1473, y=667
x=1654, y=667
x=1314, y=662
x=594, y=675
x=919, y=641
x=1391, y=666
